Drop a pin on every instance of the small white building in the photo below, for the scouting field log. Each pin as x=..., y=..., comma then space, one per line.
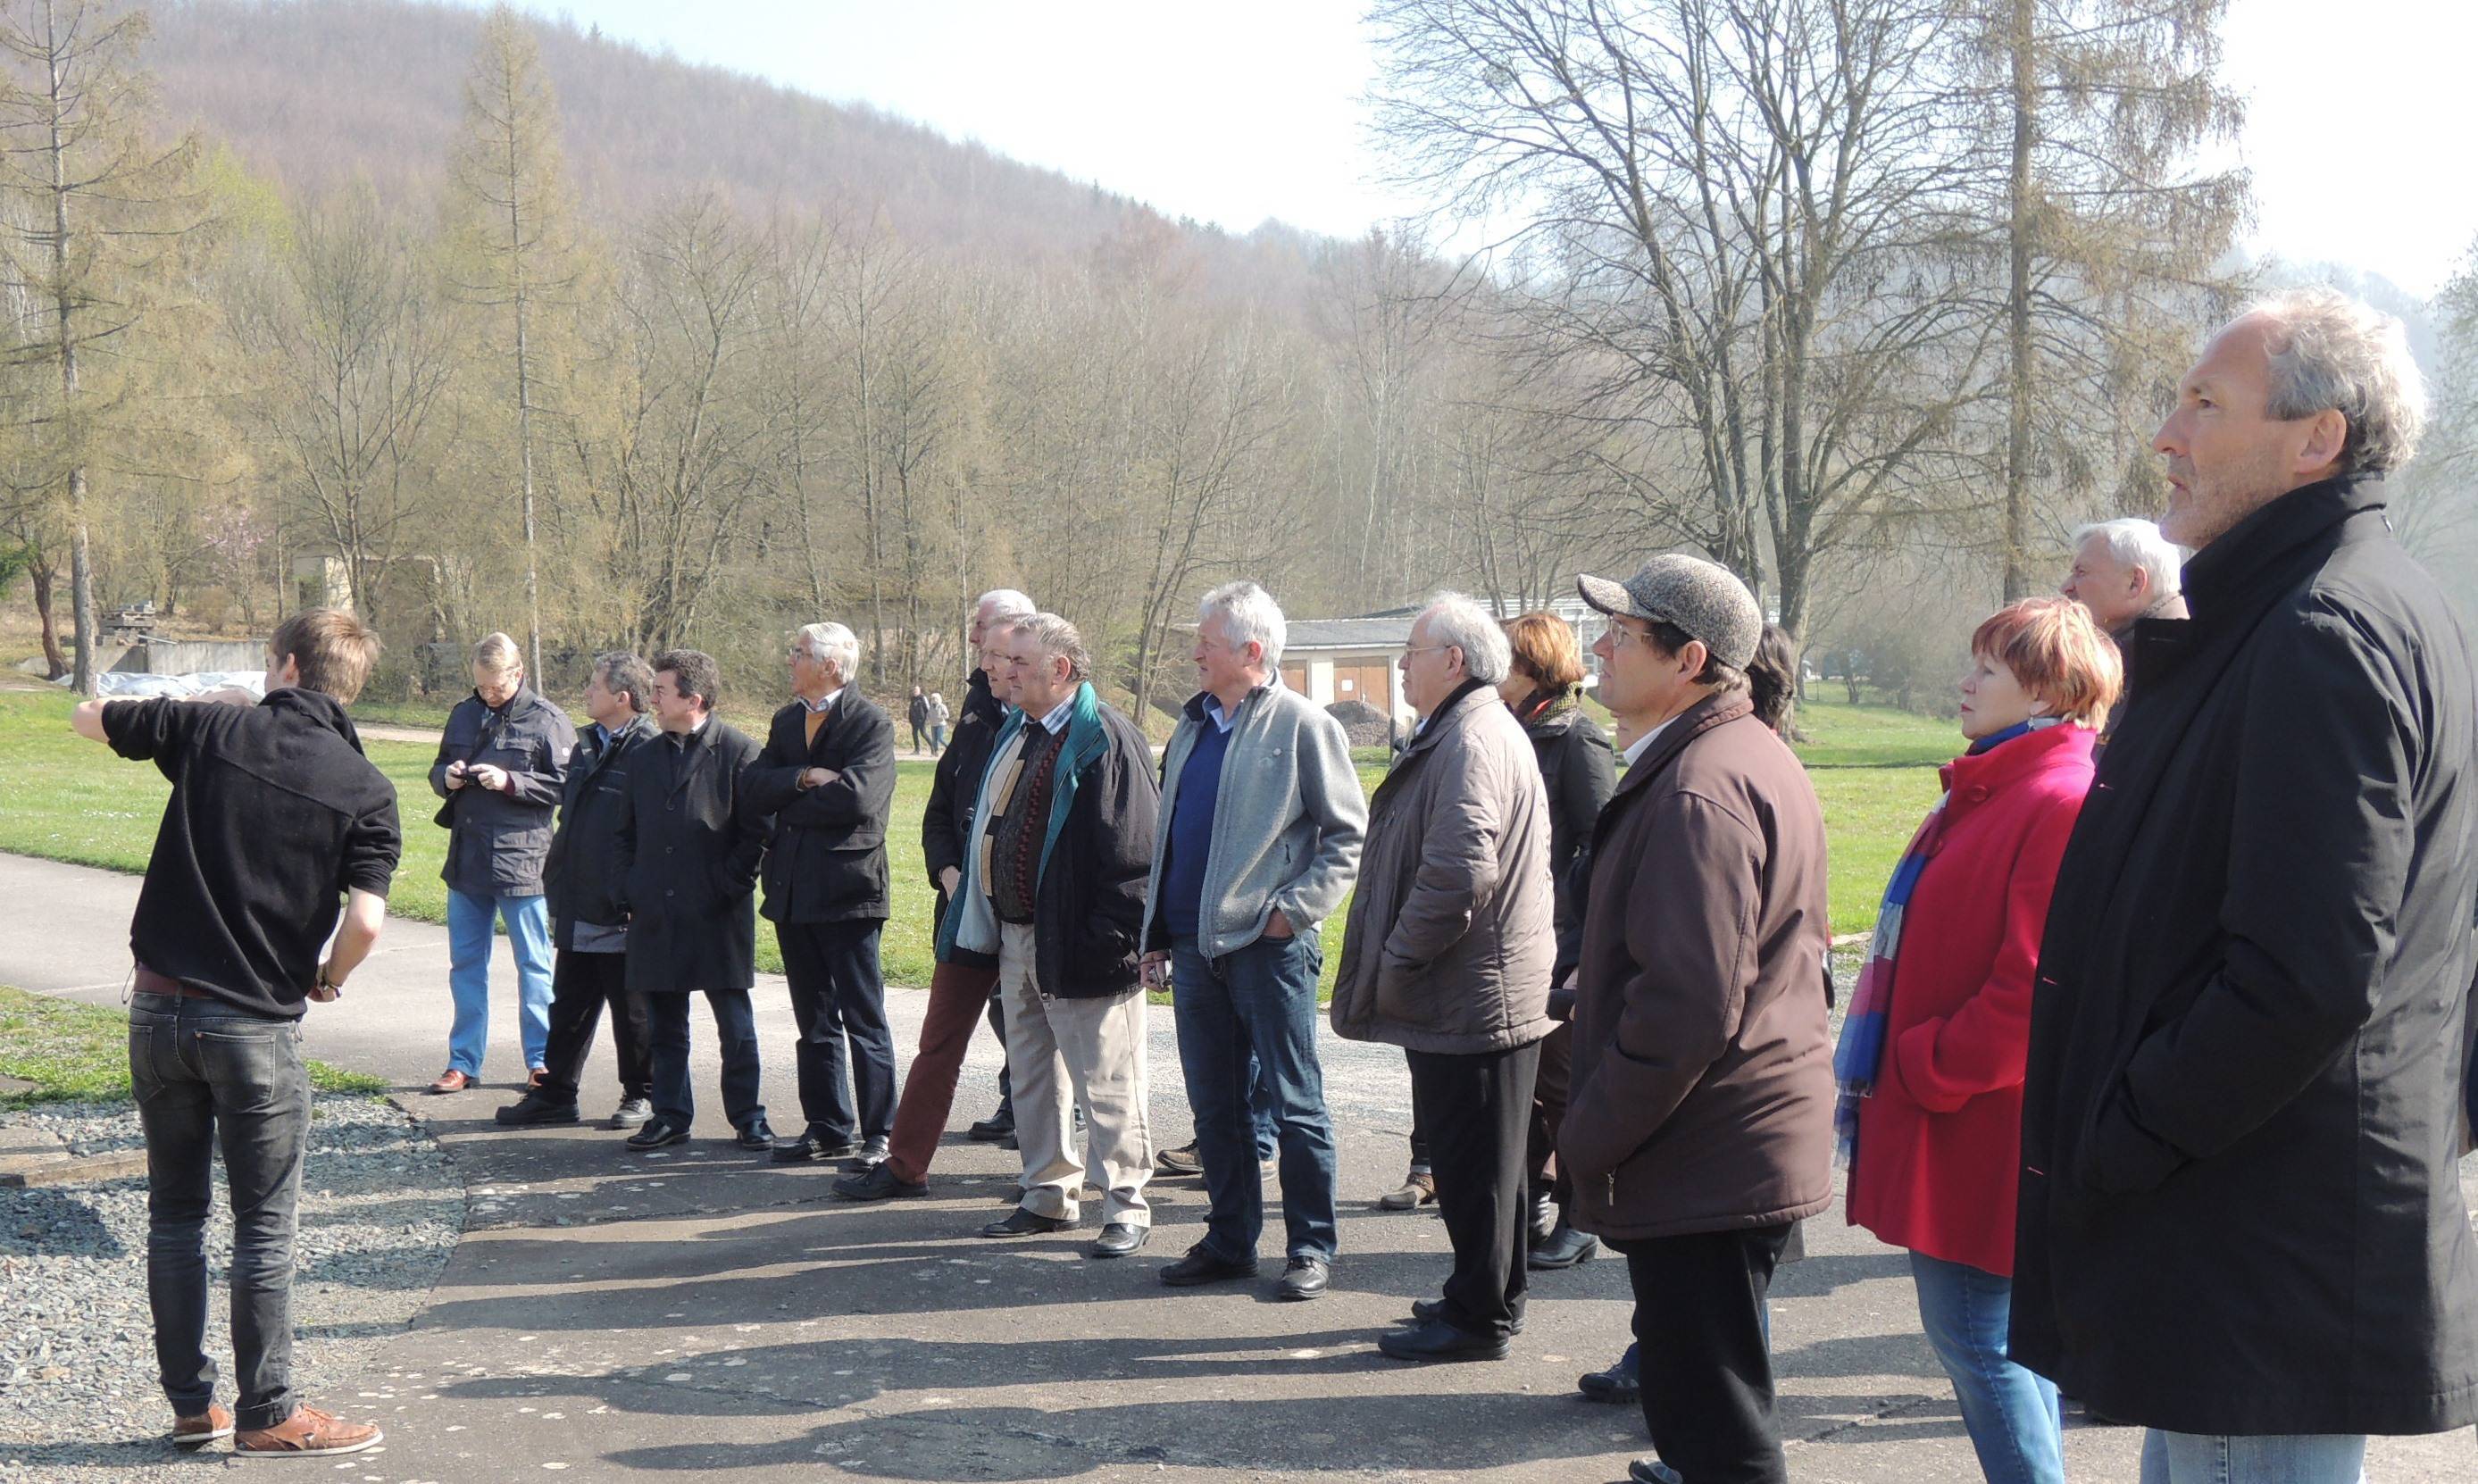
x=1332, y=659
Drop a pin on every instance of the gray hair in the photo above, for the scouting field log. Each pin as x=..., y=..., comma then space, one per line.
x=2332, y=352
x=627, y=674
x=496, y=654
x=1250, y=616
x=2137, y=543
x=1057, y=637
x=1005, y=603
x=833, y=643
x=1463, y=622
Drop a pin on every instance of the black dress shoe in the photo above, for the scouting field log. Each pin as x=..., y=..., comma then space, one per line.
x=878, y=1182
x=656, y=1133
x=1432, y=1311
x=1118, y=1239
x=800, y=1150
x=534, y=1110
x=1566, y=1247
x=997, y=1127
x=756, y=1138
x=1203, y=1264
x=1652, y=1471
x=868, y=1156
x=1618, y=1385
x=1305, y=1277
x=1437, y=1339
x=1021, y=1223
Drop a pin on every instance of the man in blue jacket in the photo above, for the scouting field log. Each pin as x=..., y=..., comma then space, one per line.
x=1257, y=845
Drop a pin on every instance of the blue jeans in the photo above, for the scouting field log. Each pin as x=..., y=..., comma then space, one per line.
x=205, y=1074
x=1246, y=1017
x=2305, y=1458
x=2015, y=1424
x=469, y=974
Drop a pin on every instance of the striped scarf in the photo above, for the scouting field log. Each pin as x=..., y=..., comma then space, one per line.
x=1859, y=1059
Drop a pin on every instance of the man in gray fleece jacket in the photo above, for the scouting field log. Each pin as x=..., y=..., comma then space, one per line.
x=1256, y=842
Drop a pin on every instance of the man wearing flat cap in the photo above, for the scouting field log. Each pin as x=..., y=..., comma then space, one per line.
x=1699, y=1126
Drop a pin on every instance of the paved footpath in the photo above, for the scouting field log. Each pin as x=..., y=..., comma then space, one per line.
x=620, y=1316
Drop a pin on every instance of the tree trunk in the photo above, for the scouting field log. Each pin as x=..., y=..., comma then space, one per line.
x=40, y=572
x=2023, y=41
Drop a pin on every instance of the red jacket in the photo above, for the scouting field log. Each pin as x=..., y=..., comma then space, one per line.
x=1939, y=1142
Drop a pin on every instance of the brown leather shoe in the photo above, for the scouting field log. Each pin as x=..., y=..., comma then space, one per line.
x=205, y=1427
x=453, y=1081
x=308, y=1433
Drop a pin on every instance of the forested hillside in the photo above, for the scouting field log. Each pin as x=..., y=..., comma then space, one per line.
x=481, y=322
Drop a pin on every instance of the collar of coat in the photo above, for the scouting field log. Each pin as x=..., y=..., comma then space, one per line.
x=1718, y=709
x=1194, y=711
x=317, y=707
x=2218, y=576
x=1086, y=741
x=1974, y=778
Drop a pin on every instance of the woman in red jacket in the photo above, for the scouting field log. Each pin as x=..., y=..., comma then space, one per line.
x=1930, y=1060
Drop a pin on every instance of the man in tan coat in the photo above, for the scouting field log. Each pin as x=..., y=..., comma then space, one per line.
x=1447, y=953
x=1699, y=1127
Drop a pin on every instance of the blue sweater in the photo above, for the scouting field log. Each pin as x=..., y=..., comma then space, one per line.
x=1191, y=831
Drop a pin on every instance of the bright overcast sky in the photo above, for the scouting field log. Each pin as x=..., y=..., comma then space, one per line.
x=2357, y=127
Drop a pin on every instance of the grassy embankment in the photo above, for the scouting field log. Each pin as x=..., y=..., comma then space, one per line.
x=80, y=1053
x=67, y=799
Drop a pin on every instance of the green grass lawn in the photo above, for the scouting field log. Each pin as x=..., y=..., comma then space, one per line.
x=80, y=1053
x=67, y=799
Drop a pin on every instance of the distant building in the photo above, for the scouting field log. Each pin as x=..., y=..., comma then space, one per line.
x=1333, y=660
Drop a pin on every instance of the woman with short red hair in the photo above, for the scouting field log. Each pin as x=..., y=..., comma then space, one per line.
x=1932, y=1056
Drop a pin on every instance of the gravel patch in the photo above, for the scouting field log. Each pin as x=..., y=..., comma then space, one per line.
x=381, y=1209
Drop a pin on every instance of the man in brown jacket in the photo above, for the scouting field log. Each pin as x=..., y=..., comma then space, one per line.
x=1447, y=954
x=1700, y=1123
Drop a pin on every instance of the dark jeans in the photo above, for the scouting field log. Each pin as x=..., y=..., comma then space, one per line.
x=1247, y=1024
x=1706, y=1365
x=1475, y=1111
x=581, y=984
x=735, y=1028
x=837, y=995
x=205, y=1074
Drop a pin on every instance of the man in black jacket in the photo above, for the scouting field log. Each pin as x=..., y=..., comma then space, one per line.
x=581, y=882
x=827, y=778
x=499, y=766
x=1055, y=884
x=2241, y=1221
x=688, y=854
x=275, y=815
x=963, y=981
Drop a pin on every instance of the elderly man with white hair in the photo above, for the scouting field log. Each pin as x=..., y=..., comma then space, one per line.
x=828, y=777
x=1447, y=953
x=2125, y=570
x=2241, y=1220
x=1255, y=843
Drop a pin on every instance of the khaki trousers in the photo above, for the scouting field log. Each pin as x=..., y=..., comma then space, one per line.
x=1062, y=1052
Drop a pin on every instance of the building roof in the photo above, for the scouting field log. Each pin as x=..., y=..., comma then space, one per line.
x=1348, y=634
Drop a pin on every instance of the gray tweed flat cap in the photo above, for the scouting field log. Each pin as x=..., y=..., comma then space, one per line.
x=1704, y=599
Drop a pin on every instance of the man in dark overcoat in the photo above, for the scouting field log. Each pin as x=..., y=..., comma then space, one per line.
x=2241, y=1220
x=827, y=779
x=689, y=857
x=581, y=881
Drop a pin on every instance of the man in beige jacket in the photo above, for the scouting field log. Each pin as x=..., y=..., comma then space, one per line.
x=1447, y=953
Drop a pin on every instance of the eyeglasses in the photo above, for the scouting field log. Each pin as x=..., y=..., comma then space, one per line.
x=1621, y=633
x=1430, y=648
